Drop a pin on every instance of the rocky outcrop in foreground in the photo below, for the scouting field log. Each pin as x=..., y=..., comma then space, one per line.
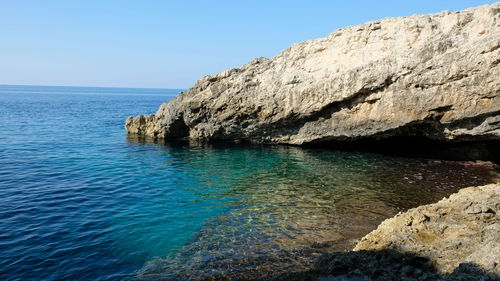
x=465, y=228
x=435, y=76
x=457, y=238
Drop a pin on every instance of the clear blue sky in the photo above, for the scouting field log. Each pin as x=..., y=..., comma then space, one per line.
x=168, y=44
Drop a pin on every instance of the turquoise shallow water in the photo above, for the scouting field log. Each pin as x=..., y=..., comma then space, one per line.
x=81, y=200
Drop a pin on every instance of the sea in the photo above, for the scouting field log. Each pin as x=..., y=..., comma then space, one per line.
x=80, y=199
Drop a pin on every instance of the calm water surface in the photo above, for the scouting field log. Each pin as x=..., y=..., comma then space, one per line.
x=80, y=200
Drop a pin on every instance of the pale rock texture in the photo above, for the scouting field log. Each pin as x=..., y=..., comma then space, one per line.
x=461, y=229
x=455, y=239
x=436, y=76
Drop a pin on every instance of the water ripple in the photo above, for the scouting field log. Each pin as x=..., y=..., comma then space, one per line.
x=80, y=201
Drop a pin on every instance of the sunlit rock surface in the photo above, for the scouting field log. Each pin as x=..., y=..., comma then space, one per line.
x=455, y=239
x=436, y=76
x=464, y=228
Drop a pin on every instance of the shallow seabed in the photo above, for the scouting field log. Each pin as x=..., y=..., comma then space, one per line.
x=285, y=206
x=80, y=200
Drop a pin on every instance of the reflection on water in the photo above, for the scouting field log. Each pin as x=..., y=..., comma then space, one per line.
x=284, y=206
x=78, y=201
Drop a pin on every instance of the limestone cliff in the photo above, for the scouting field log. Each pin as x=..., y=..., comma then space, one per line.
x=436, y=76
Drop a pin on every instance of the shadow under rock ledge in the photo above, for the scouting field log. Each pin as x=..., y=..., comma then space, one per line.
x=414, y=147
x=387, y=265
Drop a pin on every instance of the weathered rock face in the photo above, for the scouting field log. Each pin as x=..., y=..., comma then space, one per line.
x=463, y=229
x=455, y=239
x=436, y=76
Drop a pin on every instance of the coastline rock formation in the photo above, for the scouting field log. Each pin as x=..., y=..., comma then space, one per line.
x=457, y=238
x=465, y=228
x=435, y=76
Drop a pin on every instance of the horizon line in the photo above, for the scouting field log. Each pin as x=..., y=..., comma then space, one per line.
x=111, y=87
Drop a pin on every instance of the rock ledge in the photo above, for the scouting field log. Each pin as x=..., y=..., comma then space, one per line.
x=457, y=238
x=464, y=228
x=435, y=76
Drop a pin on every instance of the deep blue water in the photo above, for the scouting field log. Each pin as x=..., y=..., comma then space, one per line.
x=81, y=200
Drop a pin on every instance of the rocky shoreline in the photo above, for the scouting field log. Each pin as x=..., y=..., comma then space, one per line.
x=433, y=76
x=457, y=238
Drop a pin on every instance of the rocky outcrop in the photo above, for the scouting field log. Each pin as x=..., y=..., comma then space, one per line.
x=436, y=76
x=465, y=228
x=457, y=238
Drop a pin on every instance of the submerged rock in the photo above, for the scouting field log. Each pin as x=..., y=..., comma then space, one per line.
x=457, y=232
x=435, y=76
x=457, y=238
